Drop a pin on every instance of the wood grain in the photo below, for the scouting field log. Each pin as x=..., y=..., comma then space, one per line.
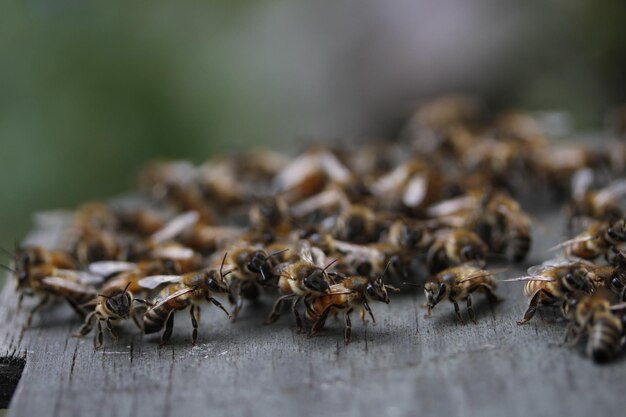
x=404, y=365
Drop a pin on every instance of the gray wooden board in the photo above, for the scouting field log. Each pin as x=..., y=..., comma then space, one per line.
x=403, y=365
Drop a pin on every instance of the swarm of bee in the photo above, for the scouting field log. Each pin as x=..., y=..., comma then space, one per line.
x=335, y=229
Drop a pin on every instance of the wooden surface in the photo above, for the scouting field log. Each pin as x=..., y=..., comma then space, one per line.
x=404, y=365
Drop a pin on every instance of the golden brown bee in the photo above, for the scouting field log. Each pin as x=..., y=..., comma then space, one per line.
x=111, y=306
x=250, y=267
x=552, y=282
x=352, y=292
x=408, y=235
x=600, y=238
x=451, y=247
x=184, y=291
x=457, y=284
x=299, y=280
x=358, y=224
x=593, y=315
x=494, y=216
x=588, y=206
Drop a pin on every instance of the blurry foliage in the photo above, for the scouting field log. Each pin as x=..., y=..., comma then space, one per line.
x=92, y=91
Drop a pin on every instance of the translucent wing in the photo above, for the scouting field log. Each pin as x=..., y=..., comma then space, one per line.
x=175, y=252
x=585, y=237
x=172, y=296
x=451, y=206
x=530, y=278
x=304, y=251
x=321, y=200
x=176, y=226
x=334, y=168
x=82, y=277
x=581, y=182
x=297, y=171
x=106, y=268
x=154, y=281
x=476, y=274
x=415, y=191
x=614, y=190
x=58, y=282
x=392, y=180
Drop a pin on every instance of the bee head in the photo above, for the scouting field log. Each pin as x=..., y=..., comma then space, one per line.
x=213, y=282
x=316, y=281
x=23, y=263
x=471, y=253
x=258, y=264
x=435, y=292
x=376, y=290
x=119, y=304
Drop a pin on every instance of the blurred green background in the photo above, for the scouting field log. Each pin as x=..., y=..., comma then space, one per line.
x=90, y=92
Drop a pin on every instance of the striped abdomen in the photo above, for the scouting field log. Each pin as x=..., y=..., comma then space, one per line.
x=154, y=319
x=604, y=337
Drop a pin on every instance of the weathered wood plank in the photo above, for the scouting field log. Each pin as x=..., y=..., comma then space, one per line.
x=403, y=365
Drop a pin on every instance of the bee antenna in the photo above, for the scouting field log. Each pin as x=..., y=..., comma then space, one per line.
x=278, y=252
x=7, y=268
x=330, y=264
x=222, y=266
x=127, y=285
x=386, y=269
x=104, y=296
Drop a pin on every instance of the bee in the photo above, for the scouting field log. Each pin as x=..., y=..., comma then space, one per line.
x=411, y=236
x=600, y=238
x=299, y=280
x=599, y=205
x=451, y=247
x=593, y=315
x=552, y=282
x=111, y=306
x=187, y=290
x=251, y=267
x=494, y=216
x=353, y=292
x=358, y=224
x=457, y=284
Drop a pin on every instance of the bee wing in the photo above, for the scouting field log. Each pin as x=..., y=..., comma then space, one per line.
x=549, y=264
x=391, y=181
x=620, y=306
x=530, y=278
x=585, y=237
x=297, y=171
x=176, y=226
x=476, y=274
x=174, y=295
x=451, y=206
x=106, y=268
x=83, y=277
x=319, y=257
x=415, y=191
x=337, y=172
x=318, y=201
x=175, y=252
x=154, y=281
x=58, y=282
x=615, y=189
x=304, y=251
x=581, y=182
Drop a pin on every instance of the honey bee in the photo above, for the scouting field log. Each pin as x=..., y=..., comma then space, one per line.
x=494, y=216
x=111, y=306
x=358, y=224
x=353, y=292
x=299, y=280
x=457, y=284
x=600, y=238
x=451, y=247
x=250, y=267
x=593, y=315
x=552, y=282
x=411, y=236
x=600, y=205
x=184, y=291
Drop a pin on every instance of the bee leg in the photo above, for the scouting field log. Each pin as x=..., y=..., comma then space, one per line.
x=194, y=312
x=347, y=337
x=137, y=316
x=532, y=307
x=470, y=310
x=32, y=312
x=236, y=298
x=218, y=304
x=572, y=335
x=75, y=307
x=169, y=326
x=98, y=337
x=294, y=310
x=319, y=323
x=275, y=314
x=86, y=327
x=111, y=330
x=367, y=307
x=457, y=310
